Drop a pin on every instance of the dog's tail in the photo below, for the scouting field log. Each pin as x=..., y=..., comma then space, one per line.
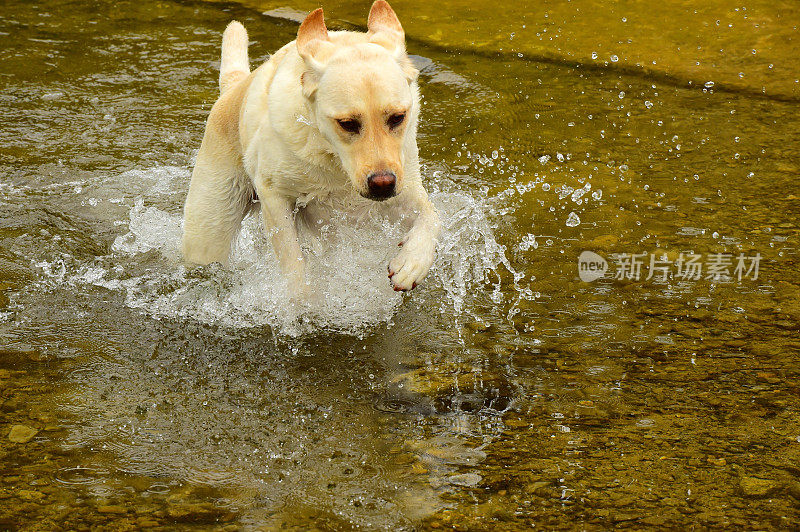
x=235, y=65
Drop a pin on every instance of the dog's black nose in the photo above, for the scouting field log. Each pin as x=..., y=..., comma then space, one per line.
x=381, y=185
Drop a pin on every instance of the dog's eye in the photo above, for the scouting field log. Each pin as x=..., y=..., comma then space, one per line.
x=396, y=119
x=350, y=125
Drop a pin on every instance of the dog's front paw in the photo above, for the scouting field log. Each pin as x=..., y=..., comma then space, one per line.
x=411, y=265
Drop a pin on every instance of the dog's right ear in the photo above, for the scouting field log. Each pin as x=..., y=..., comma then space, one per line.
x=315, y=47
x=384, y=26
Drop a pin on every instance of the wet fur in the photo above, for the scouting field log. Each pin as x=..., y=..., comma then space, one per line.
x=269, y=136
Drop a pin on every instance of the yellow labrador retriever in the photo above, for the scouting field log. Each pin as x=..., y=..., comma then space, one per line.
x=329, y=121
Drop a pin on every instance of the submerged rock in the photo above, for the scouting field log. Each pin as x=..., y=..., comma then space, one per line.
x=13, y=404
x=445, y=378
x=21, y=434
x=448, y=450
x=111, y=509
x=198, y=513
x=30, y=495
x=541, y=488
x=469, y=480
x=755, y=487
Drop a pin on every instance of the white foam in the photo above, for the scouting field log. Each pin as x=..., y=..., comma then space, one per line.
x=346, y=264
x=150, y=228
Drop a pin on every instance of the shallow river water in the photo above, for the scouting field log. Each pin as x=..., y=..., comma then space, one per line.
x=509, y=391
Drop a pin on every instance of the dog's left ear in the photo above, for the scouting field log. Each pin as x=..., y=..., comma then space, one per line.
x=384, y=29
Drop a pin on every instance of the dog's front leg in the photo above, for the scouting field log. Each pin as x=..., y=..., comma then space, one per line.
x=411, y=265
x=277, y=213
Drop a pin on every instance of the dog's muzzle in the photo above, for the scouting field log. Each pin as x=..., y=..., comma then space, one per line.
x=381, y=185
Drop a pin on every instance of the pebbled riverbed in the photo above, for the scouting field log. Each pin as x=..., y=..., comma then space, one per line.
x=505, y=392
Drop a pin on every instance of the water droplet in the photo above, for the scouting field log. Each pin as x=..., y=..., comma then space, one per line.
x=528, y=242
x=708, y=84
x=564, y=191
x=614, y=58
x=573, y=220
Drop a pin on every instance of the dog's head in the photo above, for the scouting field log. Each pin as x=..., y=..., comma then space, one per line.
x=362, y=91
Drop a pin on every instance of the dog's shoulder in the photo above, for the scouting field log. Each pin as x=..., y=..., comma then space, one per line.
x=227, y=117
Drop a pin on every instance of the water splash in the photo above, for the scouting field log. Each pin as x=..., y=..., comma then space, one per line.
x=150, y=228
x=346, y=263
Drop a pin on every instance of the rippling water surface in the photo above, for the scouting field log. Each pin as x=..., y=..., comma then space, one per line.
x=503, y=393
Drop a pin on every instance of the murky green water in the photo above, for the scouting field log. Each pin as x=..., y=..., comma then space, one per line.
x=505, y=393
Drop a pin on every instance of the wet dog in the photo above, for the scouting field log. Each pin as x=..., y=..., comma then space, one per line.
x=330, y=120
